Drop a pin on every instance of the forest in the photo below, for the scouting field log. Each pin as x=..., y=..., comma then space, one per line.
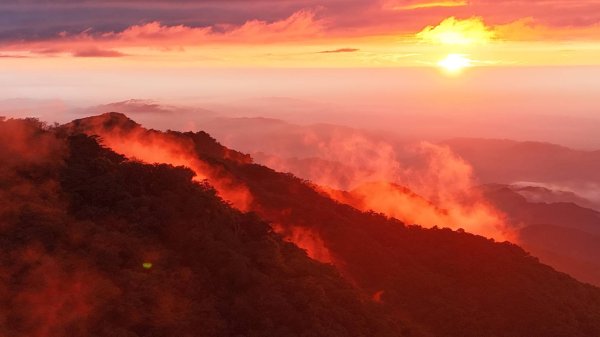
x=98, y=243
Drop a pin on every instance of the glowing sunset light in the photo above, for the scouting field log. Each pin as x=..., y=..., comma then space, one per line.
x=323, y=168
x=453, y=31
x=455, y=63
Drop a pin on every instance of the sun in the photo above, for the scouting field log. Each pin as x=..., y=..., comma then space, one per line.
x=455, y=63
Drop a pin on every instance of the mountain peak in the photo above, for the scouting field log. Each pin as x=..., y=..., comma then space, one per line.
x=108, y=120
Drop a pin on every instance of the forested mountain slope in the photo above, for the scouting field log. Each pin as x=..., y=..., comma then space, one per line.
x=450, y=283
x=93, y=244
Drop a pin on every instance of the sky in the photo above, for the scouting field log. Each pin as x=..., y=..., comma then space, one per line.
x=501, y=62
x=303, y=33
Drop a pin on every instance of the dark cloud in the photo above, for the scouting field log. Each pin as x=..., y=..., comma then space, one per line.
x=32, y=21
x=341, y=50
x=97, y=53
x=5, y=56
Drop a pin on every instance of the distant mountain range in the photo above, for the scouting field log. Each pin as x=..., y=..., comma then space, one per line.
x=506, y=161
x=562, y=234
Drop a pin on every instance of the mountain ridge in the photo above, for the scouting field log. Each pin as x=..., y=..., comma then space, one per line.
x=407, y=265
x=96, y=244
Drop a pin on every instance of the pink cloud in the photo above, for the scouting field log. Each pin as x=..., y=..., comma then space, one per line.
x=334, y=20
x=301, y=25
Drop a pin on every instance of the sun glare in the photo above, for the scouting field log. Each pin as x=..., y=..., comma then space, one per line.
x=454, y=63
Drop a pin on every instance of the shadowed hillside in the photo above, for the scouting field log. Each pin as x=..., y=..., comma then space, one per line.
x=562, y=234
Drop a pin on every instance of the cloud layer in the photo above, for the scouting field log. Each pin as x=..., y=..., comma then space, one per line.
x=39, y=19
x=362, y=31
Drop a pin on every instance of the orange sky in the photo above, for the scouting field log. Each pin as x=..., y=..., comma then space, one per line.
x=308, y=33
x=437, y=68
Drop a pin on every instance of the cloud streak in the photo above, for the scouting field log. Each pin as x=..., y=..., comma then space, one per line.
x=428, y=4
x=94, y=52
x=340, y=50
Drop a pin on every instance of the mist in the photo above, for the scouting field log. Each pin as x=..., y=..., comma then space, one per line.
x=548, y=104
